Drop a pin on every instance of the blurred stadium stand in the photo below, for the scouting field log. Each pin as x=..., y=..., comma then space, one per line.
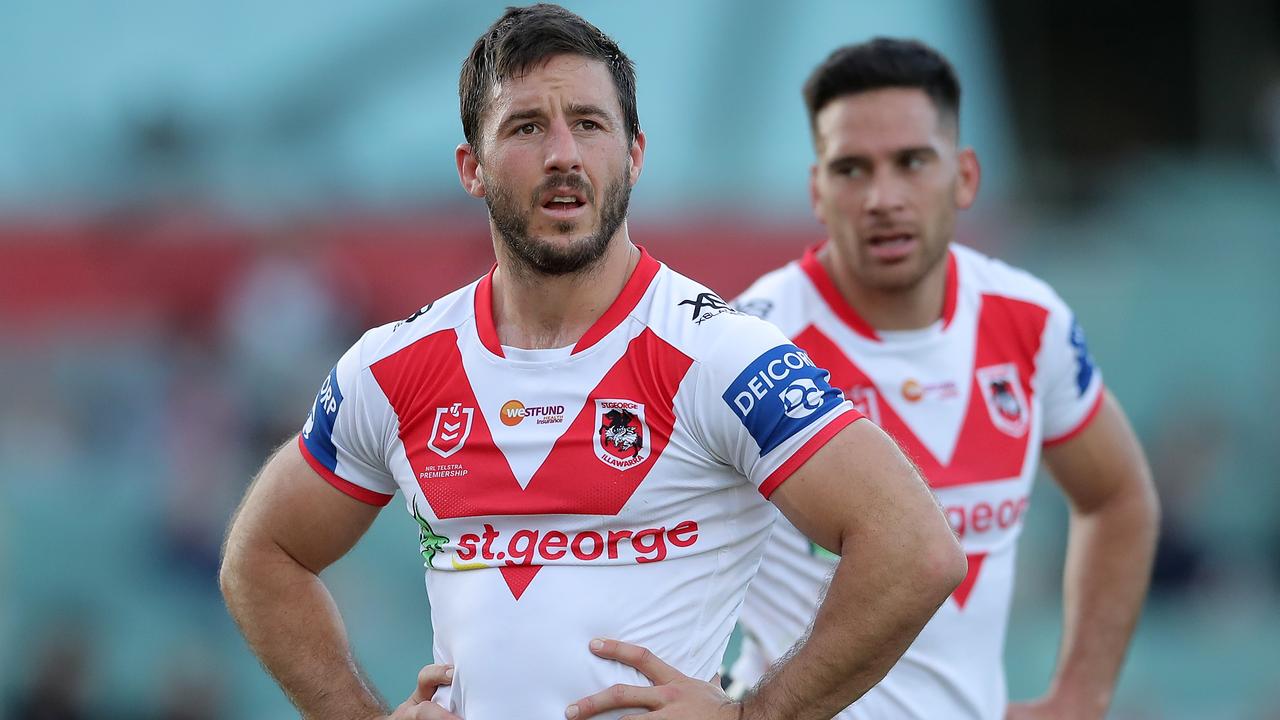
x=179, y=181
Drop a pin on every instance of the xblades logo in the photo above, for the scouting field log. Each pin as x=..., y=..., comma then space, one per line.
x=706, y=306
x=419, y=313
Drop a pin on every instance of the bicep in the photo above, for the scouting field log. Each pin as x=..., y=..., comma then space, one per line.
x=291, y=509
x=1102, y=460
x=857, y=486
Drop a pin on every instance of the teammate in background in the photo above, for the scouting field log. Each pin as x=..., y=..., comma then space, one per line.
x=973, y=366
x=587, y=443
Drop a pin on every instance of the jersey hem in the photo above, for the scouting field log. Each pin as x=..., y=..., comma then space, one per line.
x=364, y=495
x=1088, y=419
x=811, y=446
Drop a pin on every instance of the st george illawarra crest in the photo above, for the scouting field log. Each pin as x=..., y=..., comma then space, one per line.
x=1006, y=401
x=451, y=429
x=621, y=439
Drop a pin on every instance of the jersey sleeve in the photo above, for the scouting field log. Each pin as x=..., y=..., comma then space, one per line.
x=1072, y=387
x=344, y=437
x=763, y=406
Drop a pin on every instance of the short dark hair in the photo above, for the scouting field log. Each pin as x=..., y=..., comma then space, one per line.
x=883, y=63
x=526, y=36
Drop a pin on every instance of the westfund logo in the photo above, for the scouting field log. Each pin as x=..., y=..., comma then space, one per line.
x=779, y=394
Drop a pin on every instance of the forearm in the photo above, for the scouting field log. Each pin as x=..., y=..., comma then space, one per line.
x=872, y=611
x=1108, y=568
x=291, y=623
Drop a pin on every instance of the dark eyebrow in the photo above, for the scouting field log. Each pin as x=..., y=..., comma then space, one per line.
x=582, y=110
x=848, y=161
x=531, y=114
x=917, y=150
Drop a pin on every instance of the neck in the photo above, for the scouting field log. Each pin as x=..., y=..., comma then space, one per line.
x=535, y=311
x=909, y=308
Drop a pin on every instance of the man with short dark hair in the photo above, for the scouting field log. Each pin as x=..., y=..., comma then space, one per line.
x=587, y=443
x=973, y=367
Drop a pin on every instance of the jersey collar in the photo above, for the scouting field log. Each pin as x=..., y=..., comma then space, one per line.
x=826, y=287
x=622, y=306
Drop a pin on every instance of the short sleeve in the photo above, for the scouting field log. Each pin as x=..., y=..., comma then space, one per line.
x=343, y=437
x=1072, y=384
x=764, y=407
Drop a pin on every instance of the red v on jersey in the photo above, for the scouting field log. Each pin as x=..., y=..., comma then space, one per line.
x=984, y=452
x=429, y=375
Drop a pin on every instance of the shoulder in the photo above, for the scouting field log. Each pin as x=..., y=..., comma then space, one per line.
x=990, y=276
x=781, y=296
x=702, y=325
x=444, y=314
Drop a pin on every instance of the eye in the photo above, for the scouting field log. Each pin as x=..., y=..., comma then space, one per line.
x=589, y=125
x=913, y=161
x=527, y=129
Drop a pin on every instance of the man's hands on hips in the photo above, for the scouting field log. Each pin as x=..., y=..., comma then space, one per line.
x=419, y=705
x=673, y=695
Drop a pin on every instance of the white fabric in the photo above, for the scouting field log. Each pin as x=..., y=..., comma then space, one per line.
x=509, y=461
x=1003, y=317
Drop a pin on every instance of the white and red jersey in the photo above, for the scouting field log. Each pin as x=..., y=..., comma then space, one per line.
x=971, y=400
x=615, y=489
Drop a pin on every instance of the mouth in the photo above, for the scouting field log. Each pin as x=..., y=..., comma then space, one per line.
x=563, y=203
x=892, y=247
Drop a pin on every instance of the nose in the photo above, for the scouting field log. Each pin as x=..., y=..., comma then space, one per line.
x=886, y=194
x=562, y=152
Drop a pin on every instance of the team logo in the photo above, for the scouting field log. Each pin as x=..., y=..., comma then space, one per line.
x=622, y=437
x=706, y=306
x=451, y=428
x=865, y=402
x=911, y=390
x=1006, y=403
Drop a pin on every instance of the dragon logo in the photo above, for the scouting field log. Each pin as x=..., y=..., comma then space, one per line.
x=622, y=438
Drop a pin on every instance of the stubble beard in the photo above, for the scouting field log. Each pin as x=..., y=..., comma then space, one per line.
x=892, y=280
x=538, y=256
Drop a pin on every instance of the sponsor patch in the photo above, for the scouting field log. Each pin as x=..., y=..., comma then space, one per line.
x=758, y=307
x=914, y=391
x=317, y=433
x=513, y=412
x=779, y=394
x=706, y=306
x=1084, y=361
x=417, y=314
x=865, y=401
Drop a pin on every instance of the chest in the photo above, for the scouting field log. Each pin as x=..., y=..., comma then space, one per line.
x=964, y=405
x=479, y=438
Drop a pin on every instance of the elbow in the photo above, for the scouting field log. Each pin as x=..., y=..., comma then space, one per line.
x=944, y=564
x=228, y=575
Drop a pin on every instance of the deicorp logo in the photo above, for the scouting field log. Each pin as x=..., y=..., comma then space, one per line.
x=318, y=431
x=780, y=394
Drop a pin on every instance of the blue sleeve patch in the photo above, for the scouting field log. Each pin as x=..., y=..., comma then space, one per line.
x=1084, y=363
x=318, y=432
x=779, y=394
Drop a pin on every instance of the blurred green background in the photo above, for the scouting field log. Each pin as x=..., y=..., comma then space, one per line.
x=203, y=204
